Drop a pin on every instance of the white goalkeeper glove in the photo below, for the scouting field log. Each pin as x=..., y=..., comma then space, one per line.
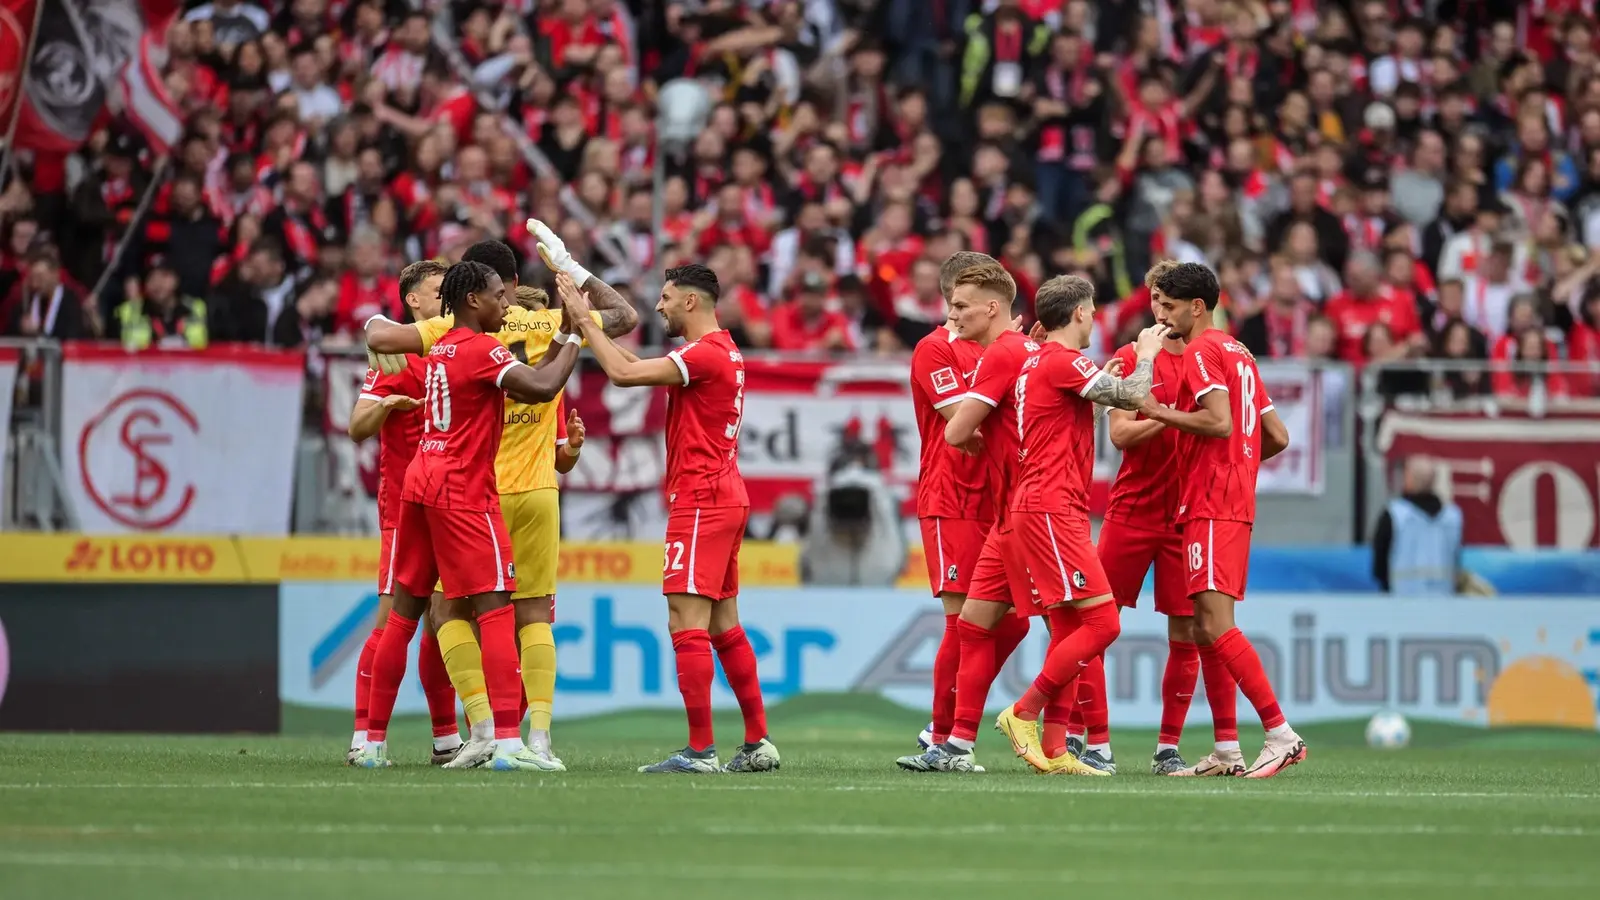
x=554, y=252
x=387, y=363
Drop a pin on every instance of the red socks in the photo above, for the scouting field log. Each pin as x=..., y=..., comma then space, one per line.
x=1222, y=694
x=1008, y=635
x=945, y=666
x=436, y=686
x=973, y=678
x=1177, y=689
x=497, y=632
x=1062, y=709
x=739, y=664
x=364, y=676
x=1237, y=653
x=1092, y=701
x=388, y=670
x=692, y=648
x=1098, y=627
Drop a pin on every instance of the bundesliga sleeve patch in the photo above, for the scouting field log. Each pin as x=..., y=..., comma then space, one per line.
x=1084, y=365
x=945, y=381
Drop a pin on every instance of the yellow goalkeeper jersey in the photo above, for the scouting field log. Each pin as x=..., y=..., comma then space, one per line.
x=527, y=459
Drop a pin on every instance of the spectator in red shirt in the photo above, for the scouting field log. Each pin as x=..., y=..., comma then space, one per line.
x=1364, y=301
x=365, y=291
x=806, y=323
x=1531, y=348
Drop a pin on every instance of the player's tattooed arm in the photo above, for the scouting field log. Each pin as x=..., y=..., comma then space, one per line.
x=617, y=315
x=1123, y=393
x=621, y=366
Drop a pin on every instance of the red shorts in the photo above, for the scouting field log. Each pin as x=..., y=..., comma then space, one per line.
x=468, y=550
x=702, y=551
x=1127, y=552
x=1000, y=574
x=951, y=547
x=386, y=561
x=1060, y=557
x=1218, y=556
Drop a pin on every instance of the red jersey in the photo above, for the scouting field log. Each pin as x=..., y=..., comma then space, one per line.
x=703, y=418
x=995, y=384
x=399, y=435
x=1055, y=424
x=462, y=421
x=1218, y=475
x=1353, y=317
x=1145, y=492
x=950, y=484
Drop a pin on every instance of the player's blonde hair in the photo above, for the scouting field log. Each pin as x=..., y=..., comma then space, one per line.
x=1159, y=269
x=529, y=297
x=989, y=276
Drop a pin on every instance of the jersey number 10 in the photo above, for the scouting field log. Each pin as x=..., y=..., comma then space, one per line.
x=438, y=387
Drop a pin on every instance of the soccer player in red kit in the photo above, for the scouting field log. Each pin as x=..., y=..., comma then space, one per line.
x=1140, y=531
x=388, y=407
x=954, y=505
x=1055, y=396
x=707, y=511
x=1227, y=428
x=992, y=621
x=450, y=529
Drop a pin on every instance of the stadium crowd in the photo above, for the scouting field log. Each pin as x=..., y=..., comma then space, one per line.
x=1372, y=180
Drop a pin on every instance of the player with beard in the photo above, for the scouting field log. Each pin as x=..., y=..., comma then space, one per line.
x=707, y=511
x=954, y=505
x=991, y=623
x=450, y=529
x=1055, y=397
x=527, y=464
x=388, y=407
x=1227, y=427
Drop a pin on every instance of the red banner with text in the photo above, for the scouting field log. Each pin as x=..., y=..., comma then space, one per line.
x=1521, y=482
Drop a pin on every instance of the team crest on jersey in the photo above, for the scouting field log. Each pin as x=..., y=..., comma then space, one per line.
x=950, y=574
x=1084, y=365
x=1078, y=581
x=945, y=381
x=511, y=570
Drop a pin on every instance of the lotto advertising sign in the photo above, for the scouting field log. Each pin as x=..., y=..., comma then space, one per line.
x=1331, y=657
x=1520, y=482
x=196, y=442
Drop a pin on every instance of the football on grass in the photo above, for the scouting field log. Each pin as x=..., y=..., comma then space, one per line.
x=1388, y=730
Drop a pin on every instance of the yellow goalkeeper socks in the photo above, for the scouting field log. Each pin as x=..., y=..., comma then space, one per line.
x=463, y=659
x=538, y=672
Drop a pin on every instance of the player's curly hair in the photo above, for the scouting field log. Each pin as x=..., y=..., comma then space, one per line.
x=497, y=255
x=697, y=278
x=463, y=278
x=1190, y=281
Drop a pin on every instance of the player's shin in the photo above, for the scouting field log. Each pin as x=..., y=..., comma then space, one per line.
x=388, y=670
x=440, y=693
x=739, y=664
x=1235, y=652
x=498, y=631
x=1177, y=691
x=1098, y=626
x=691, y=648
x=463, y=659
x=1058, y=712
x=973, y=680
x=538, y=654
x=1222, y=695
x=369, y=651
x=1092, y=702
x=946, y=663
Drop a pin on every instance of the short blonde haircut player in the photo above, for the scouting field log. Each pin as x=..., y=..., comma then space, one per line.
x=958, y=262
x=532, y=298
x=991, y=277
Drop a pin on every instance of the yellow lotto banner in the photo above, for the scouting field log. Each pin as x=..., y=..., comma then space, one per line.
x=180, y=559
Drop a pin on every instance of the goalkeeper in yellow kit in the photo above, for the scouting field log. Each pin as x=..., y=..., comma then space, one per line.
x=527, y=464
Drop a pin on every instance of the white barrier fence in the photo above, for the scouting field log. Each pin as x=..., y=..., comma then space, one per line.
x=1331, y=657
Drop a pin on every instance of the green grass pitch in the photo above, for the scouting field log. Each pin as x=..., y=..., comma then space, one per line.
x=1462, y=813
